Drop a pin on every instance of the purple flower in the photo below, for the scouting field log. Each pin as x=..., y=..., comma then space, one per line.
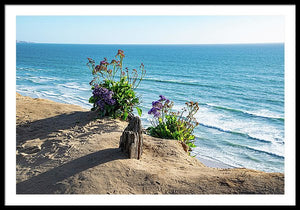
x=99, y=91
x=111, y=101
x=151, y=111
x=154, y=111
x=156, y=114
x=162, y=98
x=100, y=104
x=103, y=96
x=157, y=104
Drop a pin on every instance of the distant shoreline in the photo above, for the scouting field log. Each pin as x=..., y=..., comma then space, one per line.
x=267, y=43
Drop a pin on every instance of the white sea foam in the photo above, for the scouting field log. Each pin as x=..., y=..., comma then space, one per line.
x=75, y=86
x=266, y=113
x=259, y=113
x=248, y=126
x=217, y=155
x=51, y=93
x=40, y=79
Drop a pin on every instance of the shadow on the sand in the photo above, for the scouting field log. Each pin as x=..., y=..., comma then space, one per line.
x=42, y=128
x=48, y=182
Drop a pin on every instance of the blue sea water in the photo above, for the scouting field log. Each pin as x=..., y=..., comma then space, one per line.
x=240, y=90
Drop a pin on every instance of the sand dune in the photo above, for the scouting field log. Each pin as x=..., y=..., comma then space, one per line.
x=63, y=149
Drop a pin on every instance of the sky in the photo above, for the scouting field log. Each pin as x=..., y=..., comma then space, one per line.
x=165, y=29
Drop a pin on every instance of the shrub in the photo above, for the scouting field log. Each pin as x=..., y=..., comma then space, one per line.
x=173, y=125
x=113, y=88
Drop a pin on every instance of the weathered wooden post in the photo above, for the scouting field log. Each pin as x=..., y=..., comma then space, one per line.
x=131, y=141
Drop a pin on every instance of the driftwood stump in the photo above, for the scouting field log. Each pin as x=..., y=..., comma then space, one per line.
x=131, y=141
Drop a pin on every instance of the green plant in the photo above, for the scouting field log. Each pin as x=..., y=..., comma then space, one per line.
x=173, y=125
x=114, y=89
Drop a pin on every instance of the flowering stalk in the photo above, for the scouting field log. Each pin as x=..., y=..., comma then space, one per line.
x=172, y=125
x=111, y=97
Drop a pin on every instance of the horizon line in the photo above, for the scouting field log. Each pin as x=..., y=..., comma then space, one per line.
x=31, y=42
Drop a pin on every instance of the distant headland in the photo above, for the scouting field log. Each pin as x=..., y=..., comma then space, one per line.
x=20, y=41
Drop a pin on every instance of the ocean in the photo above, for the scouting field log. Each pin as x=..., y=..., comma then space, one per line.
x=239, y=88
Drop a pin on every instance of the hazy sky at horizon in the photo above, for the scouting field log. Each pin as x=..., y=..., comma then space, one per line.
x=150, y=29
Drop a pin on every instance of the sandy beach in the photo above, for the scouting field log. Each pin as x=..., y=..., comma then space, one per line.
x=64, y=149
